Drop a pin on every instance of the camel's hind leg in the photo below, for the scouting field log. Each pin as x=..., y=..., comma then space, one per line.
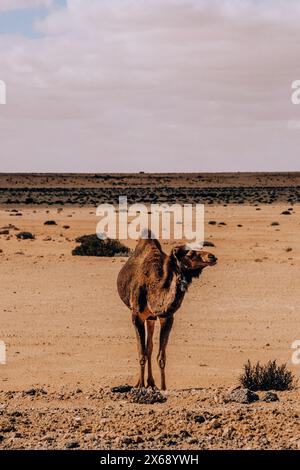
x=166, y=326
x=140, y=336
x=150, y=331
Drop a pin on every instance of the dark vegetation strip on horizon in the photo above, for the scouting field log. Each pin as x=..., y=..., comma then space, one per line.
x=95, y=196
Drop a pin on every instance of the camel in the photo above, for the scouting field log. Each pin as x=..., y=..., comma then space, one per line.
x=152, y=285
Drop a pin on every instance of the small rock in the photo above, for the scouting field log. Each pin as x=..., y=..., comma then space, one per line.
x=146, y=396
x=35, y=391
x=263, y=440
x=126, y=440
x=269, y=397
x=215, y=423
x=192, y=440
x=16, y=414
x=72, y=445
x=8, y=428
x=228, y=431
x=87, y=430
x=184, y=433
x=199, y=419
x=121, y=389
x=171, y=443
x=243, y=395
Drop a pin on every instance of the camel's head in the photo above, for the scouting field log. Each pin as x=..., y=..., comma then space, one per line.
x=193, y=260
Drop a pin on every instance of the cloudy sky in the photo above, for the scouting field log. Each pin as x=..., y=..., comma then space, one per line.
x=153, y=85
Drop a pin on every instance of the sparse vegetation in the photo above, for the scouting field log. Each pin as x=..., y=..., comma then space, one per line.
x=109, y=187
x=50, y=222
x=267, y=377
x=274, y=224
x=208, y=243
x=91, y=245
x=29, y=200
x=25, y=236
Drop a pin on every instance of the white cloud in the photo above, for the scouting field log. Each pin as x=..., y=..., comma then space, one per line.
x=293, y=124
x=6, y=5
x=153, y=84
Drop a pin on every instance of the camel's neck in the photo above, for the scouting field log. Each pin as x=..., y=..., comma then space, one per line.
x=190, y=275
x=172, y=269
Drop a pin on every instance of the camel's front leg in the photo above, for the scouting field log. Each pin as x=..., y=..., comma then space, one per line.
x=166, y=325
x=150, y=330
x=140, y=336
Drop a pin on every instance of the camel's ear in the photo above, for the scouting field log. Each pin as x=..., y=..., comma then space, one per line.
x=179, y=252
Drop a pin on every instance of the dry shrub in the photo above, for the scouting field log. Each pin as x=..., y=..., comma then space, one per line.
x=267, y=377
x=91, y=245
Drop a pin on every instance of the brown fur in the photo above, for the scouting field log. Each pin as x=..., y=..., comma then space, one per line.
x=152, y=285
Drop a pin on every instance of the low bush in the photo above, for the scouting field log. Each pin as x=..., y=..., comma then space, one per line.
x=267, y=377
x=25, y=236
x=50, y=222
x=91, y=245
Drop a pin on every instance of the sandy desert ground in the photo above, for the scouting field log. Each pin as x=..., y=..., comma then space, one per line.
x=70, y=339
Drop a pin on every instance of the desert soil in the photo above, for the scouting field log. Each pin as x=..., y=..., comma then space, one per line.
x=69, y=338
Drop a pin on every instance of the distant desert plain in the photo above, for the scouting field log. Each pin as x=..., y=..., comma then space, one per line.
x=69, y=339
